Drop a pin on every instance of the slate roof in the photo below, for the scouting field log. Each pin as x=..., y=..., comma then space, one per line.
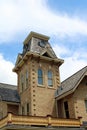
x=35, y=47
x=9, y=93
x=38, y=45
x=71, y=83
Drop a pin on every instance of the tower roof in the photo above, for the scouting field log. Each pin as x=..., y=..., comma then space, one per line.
x=38, y=46
x=36, y=35
x=38, y=43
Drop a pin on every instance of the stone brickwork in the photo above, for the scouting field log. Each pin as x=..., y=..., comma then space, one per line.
x=13, y=109
x=80, y=96
x=3, y=109
x=70, y=101
x=40, y=97
x=8, y=107
x=25, y=94
x=37, y=54
x=76, y=102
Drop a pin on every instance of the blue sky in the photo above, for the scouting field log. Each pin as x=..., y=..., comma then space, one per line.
x=65, y=21
x=71, y=7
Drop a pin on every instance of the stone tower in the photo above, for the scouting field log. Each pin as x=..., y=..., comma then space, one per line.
x=37, y=68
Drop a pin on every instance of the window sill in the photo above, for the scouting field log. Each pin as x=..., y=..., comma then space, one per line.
x=51, y=87
x=41, y=86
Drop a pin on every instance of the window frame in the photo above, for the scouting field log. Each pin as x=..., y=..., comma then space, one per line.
x=50, y=78
x=28, y=108
x=66, y=109
x=40, y=76
x=26, y=78
x=22, y=83
x=86, y=105
x=23, y=110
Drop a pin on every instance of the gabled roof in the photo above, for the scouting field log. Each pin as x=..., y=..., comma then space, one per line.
x=69, y=85
x=47, y=53
x=9, y=93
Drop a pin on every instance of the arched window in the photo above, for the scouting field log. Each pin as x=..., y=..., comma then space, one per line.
x=26, y=76
x=40, y=76
x=22, y=83
x=50, y=78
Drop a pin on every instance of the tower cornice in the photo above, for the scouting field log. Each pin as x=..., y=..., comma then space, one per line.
x=38, y=57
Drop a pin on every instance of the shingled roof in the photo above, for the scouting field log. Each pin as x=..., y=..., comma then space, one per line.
x=9, y=93
x=71, y=83
x=38, y=45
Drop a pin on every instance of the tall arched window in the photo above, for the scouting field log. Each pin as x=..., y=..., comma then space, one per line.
x=40, y=76
x=50, y=78
x=22, y=83
x=26, y=76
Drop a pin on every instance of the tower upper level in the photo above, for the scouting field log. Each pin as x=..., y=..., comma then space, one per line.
x=37, y=45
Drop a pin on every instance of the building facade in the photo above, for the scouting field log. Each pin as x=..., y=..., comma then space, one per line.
x=9, y=100
x=71, y=96
x=39, y=92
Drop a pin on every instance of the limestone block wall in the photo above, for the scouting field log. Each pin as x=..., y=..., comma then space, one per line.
x=25, y=94
x=40, y=97
x=13, y=108
x=80, y=96
x=3, y=109
x=76, y=101
x=70, y=102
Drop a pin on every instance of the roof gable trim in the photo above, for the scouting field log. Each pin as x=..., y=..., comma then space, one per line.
x=18, y=59
x=47, y=53
x=73, y=89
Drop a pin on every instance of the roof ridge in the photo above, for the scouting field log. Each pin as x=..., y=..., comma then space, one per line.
x=74, y=74
x=8, y=84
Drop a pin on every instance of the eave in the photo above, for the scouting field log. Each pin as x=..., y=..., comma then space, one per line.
x=11, y=102
x=72, y=90
x=39, y=57
x=64, y=94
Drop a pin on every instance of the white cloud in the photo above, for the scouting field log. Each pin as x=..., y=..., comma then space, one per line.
x=72, y=63
x=70, y=66
x=27, y=15
x=20, y=16
x=6, y=74
x=60, y=50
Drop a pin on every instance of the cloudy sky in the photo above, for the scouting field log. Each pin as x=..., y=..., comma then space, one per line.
x=65, y=21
